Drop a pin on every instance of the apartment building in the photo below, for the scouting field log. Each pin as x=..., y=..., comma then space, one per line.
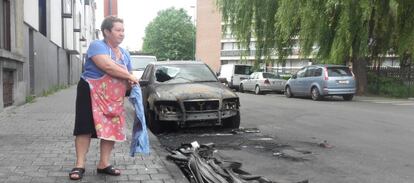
x=42, y=45
x=216, y=46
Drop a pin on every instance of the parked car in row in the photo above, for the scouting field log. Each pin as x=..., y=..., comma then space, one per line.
x=186, y=93
x=235, y=73
x=319, y=81
x=139, y=62
x=260, y=82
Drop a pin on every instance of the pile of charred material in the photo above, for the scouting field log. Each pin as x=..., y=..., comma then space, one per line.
x=201, y=165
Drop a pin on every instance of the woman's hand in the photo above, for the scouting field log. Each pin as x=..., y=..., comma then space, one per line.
x=132, y=80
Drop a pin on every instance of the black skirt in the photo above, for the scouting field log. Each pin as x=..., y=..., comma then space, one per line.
x=84, y=118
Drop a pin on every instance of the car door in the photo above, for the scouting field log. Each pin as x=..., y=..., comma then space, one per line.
x=278, y=83
x=308, y=80
x=296, y=84
x=146, y=89
x=250, y=82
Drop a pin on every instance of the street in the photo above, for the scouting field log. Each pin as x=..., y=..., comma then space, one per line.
x=364, y=140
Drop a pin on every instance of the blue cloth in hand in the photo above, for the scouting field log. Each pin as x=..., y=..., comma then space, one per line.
x=139, y=142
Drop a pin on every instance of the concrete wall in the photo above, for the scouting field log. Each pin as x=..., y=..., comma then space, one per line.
x=63, y=67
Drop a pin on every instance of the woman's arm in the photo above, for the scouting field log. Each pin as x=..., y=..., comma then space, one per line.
x=108, y=66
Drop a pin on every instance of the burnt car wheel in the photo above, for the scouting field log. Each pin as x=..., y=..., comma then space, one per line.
x=232, y=122
x=153, y=124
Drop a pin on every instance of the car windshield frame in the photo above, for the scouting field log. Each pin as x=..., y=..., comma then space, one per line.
x=183, y=73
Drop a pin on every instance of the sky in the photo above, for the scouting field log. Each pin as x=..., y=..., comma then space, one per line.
x=137, y=14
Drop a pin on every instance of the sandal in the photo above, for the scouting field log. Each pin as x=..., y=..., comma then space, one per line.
x=76, y=171
x=109, y=170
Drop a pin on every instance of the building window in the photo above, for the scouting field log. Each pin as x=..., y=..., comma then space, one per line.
x=5, y=30
x=42, y=17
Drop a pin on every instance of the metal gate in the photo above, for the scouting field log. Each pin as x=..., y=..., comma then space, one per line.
x=8, y=83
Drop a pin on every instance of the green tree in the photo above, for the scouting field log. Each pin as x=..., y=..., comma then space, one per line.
x=170, y=36
x=348, y=31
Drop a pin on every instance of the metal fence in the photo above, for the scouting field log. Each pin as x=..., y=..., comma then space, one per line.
x=405, y=76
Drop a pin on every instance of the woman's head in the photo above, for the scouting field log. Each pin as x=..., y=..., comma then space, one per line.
x=113, y=29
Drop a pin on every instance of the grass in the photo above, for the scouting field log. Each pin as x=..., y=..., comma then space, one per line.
x=45, y=93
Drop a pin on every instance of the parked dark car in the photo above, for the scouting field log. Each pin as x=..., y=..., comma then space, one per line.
x=186, y=93
x=319, y=81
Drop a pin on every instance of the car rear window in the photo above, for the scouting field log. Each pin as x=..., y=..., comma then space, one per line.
x=270, y=75
x=339, y=71
x=242, y=69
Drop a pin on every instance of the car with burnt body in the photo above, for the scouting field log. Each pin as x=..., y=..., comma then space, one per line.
x=186, y=93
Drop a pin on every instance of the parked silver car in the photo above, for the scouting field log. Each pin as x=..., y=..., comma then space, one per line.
x=260, y=82
x=318, y=81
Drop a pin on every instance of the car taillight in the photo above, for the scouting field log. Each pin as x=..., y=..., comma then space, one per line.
x=326, y=73
x=267, y=81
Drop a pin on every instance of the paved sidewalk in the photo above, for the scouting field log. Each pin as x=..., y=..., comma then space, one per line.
x=36, y=145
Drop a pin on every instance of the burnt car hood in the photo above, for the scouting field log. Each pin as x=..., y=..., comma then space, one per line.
x=186, y=91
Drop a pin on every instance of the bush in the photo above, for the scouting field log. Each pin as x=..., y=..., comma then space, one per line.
x=386, y=86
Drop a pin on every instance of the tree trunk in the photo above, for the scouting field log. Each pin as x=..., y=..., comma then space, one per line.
x=359, y=67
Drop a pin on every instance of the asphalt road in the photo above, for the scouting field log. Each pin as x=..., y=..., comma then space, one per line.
x=364, y=140
x=371, y=139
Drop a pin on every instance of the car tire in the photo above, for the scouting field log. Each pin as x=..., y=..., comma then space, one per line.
x=348, y=97
x=288, y=92
x=153, y=124
x=257, y=90
x=232, y=122
x=241, y=88
x=315, y=94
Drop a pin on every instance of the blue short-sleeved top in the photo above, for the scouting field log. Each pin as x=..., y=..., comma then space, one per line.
x=99, y=47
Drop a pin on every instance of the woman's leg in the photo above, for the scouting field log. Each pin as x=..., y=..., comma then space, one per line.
x=82, y=143
x=106, y=149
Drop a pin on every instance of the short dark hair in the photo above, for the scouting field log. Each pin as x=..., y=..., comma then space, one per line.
x=108, y=23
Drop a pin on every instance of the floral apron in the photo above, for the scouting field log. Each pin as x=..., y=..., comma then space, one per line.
x=107, y=97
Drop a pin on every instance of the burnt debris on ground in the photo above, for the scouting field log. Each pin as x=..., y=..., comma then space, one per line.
x=200, y=164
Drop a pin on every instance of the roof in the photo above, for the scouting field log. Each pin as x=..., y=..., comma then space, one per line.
x=177, y=63
x=328, y=65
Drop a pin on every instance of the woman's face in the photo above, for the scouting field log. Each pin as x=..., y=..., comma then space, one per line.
x=116, y=35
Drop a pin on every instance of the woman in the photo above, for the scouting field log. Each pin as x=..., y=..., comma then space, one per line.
x=99, y=100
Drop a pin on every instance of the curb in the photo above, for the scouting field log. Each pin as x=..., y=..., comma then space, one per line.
x=175, y=172
x=155, y=144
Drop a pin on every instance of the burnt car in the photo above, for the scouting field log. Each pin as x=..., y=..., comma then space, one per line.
x=185, y=94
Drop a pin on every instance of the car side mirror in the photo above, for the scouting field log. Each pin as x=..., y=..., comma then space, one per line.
x=143, y=82
x=294, y=76
x=217, y=74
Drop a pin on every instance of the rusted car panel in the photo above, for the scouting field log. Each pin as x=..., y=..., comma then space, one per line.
x=188, y=95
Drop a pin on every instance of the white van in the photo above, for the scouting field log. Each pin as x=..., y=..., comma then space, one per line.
x=234, y=73
x=139, y=62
